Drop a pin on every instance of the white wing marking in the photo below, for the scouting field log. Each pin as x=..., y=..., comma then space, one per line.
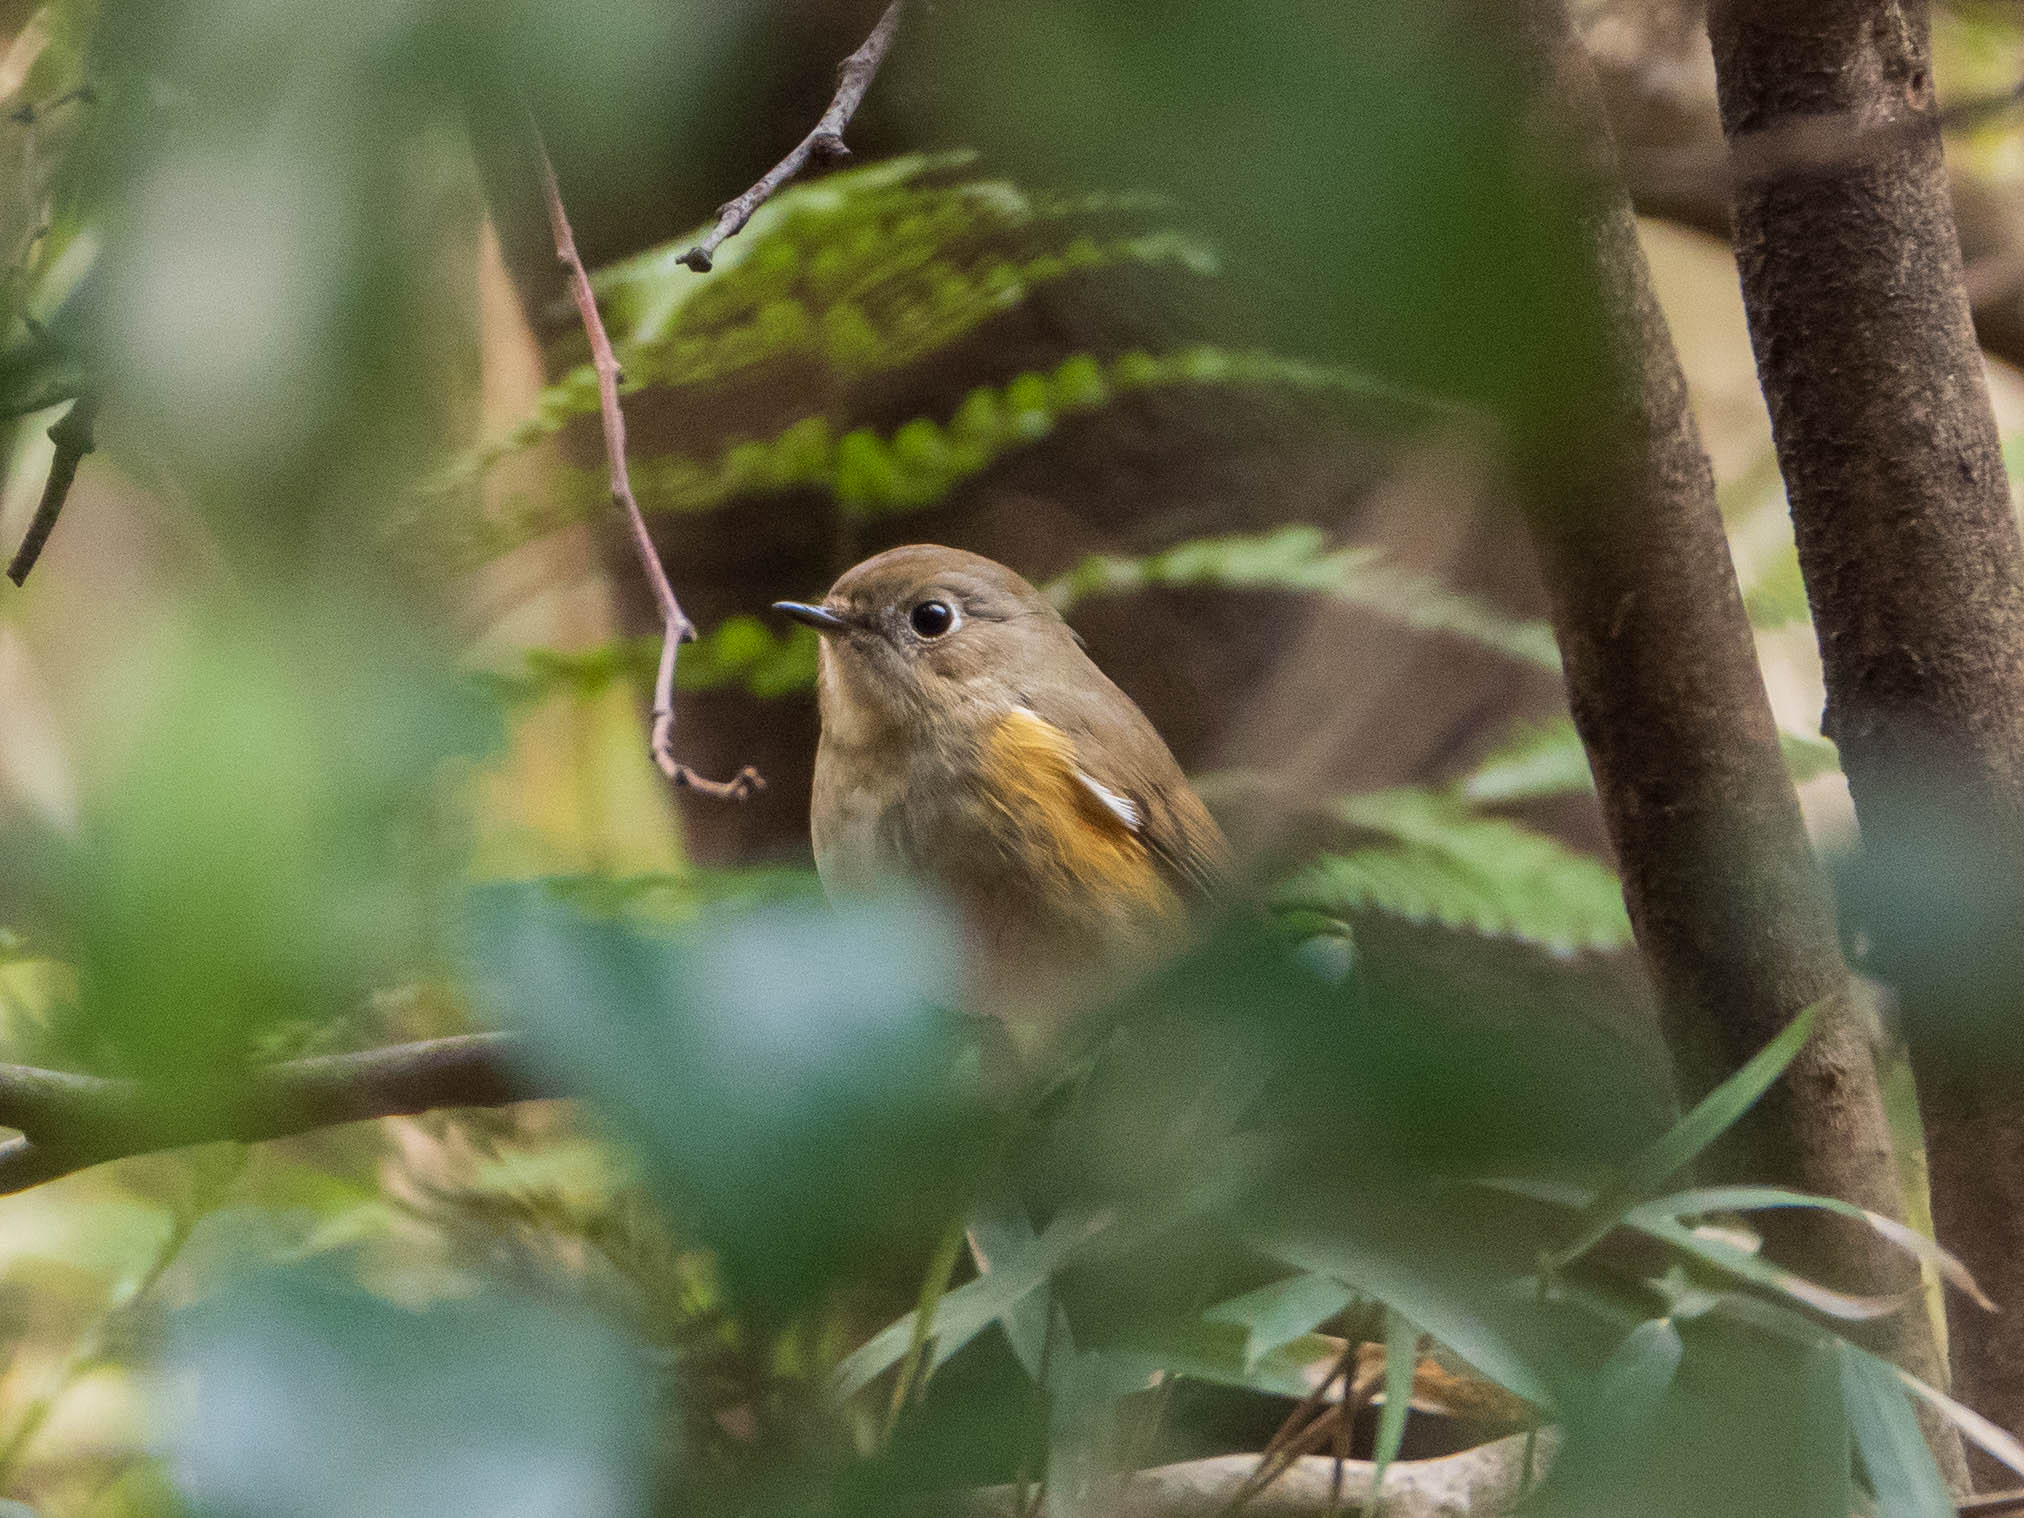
x=1121, y=807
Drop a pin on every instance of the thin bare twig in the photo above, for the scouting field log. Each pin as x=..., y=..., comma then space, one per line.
x=71, y=1121
x=1829, y=143
x=676, y=628
x=72, y=435
x=854, y=77
x=32, y=111
x=1304, y=1429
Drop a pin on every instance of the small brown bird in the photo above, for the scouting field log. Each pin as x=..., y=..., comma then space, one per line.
x=969, y=744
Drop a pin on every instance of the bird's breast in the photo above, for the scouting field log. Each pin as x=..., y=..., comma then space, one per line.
x=1044, y=867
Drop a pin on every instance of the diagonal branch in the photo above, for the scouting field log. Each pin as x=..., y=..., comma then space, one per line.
x=675, y=625
x=854, y=77
x=71, y=1121
x=72, y=435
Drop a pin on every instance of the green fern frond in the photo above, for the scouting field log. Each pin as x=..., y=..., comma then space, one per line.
x=739, y=651
x=1442, y=863
x=1298, y=558
x=1541, y=759
x=841, y=235
x=851, y=339
x=1535, y=760
x=863, y=272
x=916, y=466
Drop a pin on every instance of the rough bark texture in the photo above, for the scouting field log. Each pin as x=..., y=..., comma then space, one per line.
x=1658, y=84
x=1852, y=277
x=1731, y=909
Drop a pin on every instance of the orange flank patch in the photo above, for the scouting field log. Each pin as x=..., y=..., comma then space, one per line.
x=1094, y=865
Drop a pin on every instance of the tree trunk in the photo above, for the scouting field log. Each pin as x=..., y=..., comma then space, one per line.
x=1852, y=278
x=1731, y=909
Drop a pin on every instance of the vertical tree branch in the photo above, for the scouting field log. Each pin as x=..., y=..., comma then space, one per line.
x=73, y=437
x=1731, y=910
x=675, y=625
x=854, y=77
x=1853, y=282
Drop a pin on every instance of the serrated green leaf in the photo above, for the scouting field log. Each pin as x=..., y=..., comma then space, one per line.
x=1447, y=864
x=1711, y=1117
x=1895, y=1459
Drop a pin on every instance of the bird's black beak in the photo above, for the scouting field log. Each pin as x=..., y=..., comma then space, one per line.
x=821, y=618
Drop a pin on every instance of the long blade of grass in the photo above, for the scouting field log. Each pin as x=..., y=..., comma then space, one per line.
x=1679, y=1145
x=1760, y=1198
x=1973, y=1425
x=1401, y=1350
x=934, y=1286
x=1758, y=1271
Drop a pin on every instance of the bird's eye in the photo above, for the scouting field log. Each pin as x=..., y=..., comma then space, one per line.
x=932, y=618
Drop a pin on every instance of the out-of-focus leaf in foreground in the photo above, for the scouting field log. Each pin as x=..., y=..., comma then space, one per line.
x=1367, y=163
x=297, y=1396
x=250, y=854
x=789, y=1075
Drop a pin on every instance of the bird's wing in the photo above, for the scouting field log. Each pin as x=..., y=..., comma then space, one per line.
x=1128, y=768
